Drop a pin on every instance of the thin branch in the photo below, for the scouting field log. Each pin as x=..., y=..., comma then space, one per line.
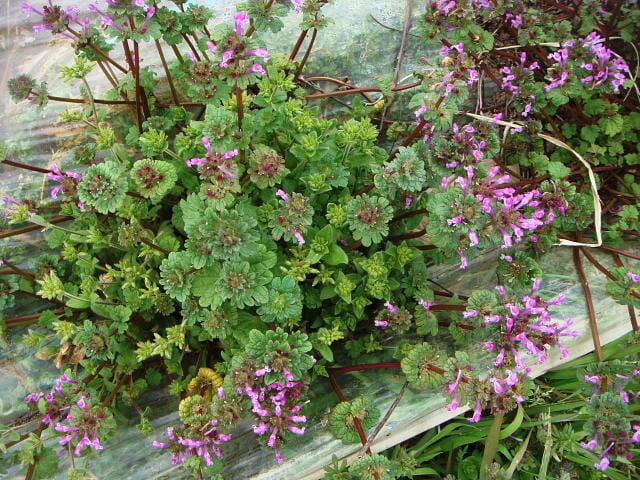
x=31, y=228
x=593, y=324
x=174, y=93
x=382, y=422
x=307, y=53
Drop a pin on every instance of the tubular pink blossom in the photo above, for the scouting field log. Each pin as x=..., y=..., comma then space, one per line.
x=240, y=18
x=278, y=456
x=424, y=304
x=298, y=236
x=476, y=413
x=282, y=195
x=272, y=438
x=390, y=307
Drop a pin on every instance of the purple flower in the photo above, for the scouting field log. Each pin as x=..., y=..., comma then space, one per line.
x=68, y=181
x=297, y=4
x=512, y=221
x=390, y=307
x=477, y=412
x=259, y=52
x=592, y=379
x=240, y=18
x=256, y=68
x=635, y=278
x=407, y=202
x=298, y=236
x=226, y=56
x=424, y=304
x=282, y=194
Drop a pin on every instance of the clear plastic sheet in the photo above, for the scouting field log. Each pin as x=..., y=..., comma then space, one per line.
x=355, y=46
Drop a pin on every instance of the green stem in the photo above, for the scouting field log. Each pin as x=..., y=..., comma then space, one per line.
x=491, y=445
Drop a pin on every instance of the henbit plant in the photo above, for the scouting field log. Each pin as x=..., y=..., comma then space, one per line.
x=238, y=240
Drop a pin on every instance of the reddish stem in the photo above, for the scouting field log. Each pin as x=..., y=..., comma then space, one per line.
x=24, y=166
x=342, y=398
x=408, y=215
x=296, y=47
x=366, y=366
x=31, y=228
x=307, y=53
x=593, y=323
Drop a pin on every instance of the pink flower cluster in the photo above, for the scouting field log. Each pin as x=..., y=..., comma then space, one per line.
x=458, y=73
x=466, y=146
x=202, y=442
x=214, y=165
x=512, y=213
x=83, y=426
x=68, y=181
x=599, y=64
x=110, y=21
x=234, y=55
x=512, y=78
x=618, y=442
x=524, y=325
x=520, y=326
x=602, y=65
x=56, y=19
x=276, y=407
x=10, y=209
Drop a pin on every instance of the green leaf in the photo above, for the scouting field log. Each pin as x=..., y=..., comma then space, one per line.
x=558, y=170
x=589, y=133
x=513, y=426
x=117, y=313
x=46, y=465
x=74, y=303
x=325, y=351
x=153, y=377
x=611, y=126
x=336, y=256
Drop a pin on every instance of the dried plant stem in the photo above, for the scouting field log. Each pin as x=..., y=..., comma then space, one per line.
x=19, y=271
x=620, y=252
x=365, y=366
x=127, y=52
x=155, y=247
x=177, y=53
x=194, y=50
x=240, y=108
x=382, y=422
x=32, y=316
x=50, y=300
x=95, y=100
x=139, y=89
x=113, y=392
x=593, y=324
x=174, y=93
x=406, y=236
x=100, y=52
x=353, y=91
x=412, y=213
